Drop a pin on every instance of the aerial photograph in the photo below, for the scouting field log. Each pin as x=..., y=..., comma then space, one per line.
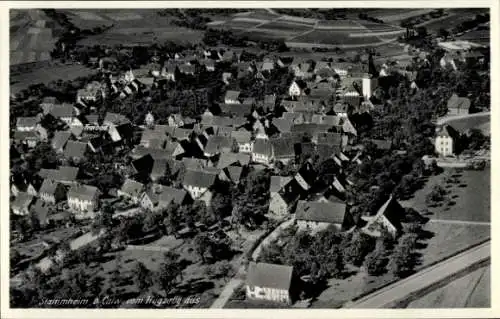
x=246, y=158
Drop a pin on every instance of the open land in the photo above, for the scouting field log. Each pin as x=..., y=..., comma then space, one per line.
x=471, y=290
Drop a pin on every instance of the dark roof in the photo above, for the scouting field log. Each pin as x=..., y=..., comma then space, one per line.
x=199, y=178
x=192, y=163
x=67, y=174
x=75, y=149
x=241, y=136
x=307, y=173
x=159, y=167
x=26, y=121
x=26, y=136
x=216, y=144
x=291, y=191
x=448, y=130
x=170, y=194
x=321, y=211
x=282, y=124
x=232, y=95
x=278, y=182
x=329, y=138
x=143, y=164
x=234, y=173
x=262, y=146
x=393, y=211
x=229, y=159
x=236, y=109
x=269, y=275
x=283, y=147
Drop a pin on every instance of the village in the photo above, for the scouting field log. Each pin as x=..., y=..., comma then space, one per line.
x=266, y=174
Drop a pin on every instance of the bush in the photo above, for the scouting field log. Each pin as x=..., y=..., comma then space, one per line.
x=376, y=261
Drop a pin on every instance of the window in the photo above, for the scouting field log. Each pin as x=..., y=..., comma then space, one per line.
x=251, y=288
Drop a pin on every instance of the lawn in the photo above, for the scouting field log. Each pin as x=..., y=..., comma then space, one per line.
x=349, y=25
x=284, y=26
x=469, y=291
x=239, y=24
x=471, y=197
x=465, y=124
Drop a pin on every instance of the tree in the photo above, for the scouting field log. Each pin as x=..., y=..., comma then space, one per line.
x=358, y=248
x=442, y=32
x=376, y=261
x=169, y=271
x=403, y=260
x=103, y=220
x=203, y=245
x=142, y=276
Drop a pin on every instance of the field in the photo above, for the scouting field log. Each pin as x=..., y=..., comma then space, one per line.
x=31, y=38
x=397, y=15
x=469, y=291
x=323, y=33
x=45, y=75
x=471, y=197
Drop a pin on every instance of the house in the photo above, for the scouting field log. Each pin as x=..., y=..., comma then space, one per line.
x=226, y=77
x=230, y=159
x=160, y=168
x=218, y=144
x=445, y=140
x=283, y=125
x=262, y=151
x=19, y=183
x=28, y=138
x=276, y=205
x=132, y=190
x=195, y=164
x=306, y=175
x=152, y=138
x=65, y=112
x=143, y=165
x=388, y=218
x=244, y=140
x=340, y=109
x=51, y=191
x=48, y=103
x=197, y=183
x=121, y=133
x=159, y=197
x=92, y=93
x=320, y=214
x=297, y=88
x=232, y=97
x=83, y=198
x=114, y=119
x=59, y=140
x=26, y=124
x=270, y=282
x=302, y=69
x=64, y=174
x=168, y=71
x=269, y=102
x=283, y=149
x=209, y=64
x=241, y=110
x=231, y=174
x=75, y=150
x=175, y=120
x=187, y=69
x=458, y=105
x=22, y=203
x=285, y=194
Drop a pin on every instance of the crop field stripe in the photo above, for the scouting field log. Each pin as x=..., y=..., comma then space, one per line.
x=302, y=34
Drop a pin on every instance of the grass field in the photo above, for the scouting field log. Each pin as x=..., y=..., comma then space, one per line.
x=469, y=291
x=472, y=202
x=44, y=75
x=284, y=26
x=234, y=24
x=464, y=124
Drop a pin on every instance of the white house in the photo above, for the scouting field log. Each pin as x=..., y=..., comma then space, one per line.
x=445, y=142
x=262, y=151
x=83, y=198
x=296, y=89
x=369, y=85
x=269, y=282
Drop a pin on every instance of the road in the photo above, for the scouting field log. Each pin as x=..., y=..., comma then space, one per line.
x=446, y=119
x=401, y=290
x=460, y=222
x=273, y=235
x=236, y=280
x=76, y=243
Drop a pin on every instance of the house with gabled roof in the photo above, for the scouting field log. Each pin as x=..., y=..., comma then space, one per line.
x=230, y=159
x=75, y=150
x=458, y=105
x=388, y=217
x=65, y=112
x=218, y=144
x=59, y=140
x=283, y=149
x=318, y=215
x=159, y=169
x=159, y=197
x=306, y=176
x=241, y=110
x=244, y=140
x=270, y=282
x=231, y=174
x=26, y=124
x=232, y=97
x=131, y=189
x=297, y=88
x=285, y=194
x=51, y=191
x=28, y=138
x=262, y=151
x=83, y=198
x=153, y=138
x=445, y=140
x=195, y=164
x=197, y=183
x=22, y=203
